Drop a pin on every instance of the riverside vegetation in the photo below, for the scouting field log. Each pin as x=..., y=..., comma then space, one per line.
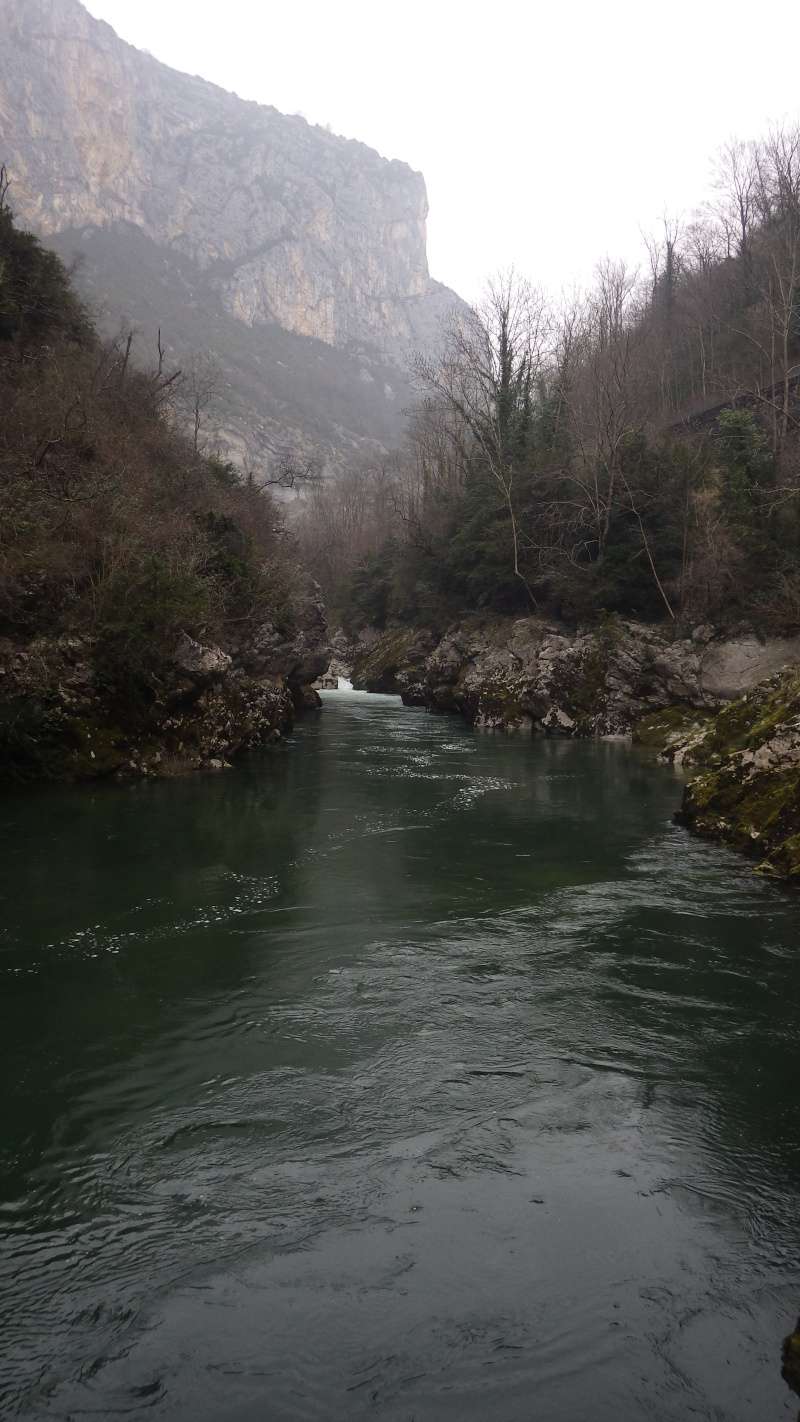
x=153, y=613
x=623, y=470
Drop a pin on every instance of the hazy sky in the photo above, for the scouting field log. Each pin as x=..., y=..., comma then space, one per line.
x=549, y=134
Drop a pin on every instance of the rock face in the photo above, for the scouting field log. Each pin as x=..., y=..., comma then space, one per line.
x=740, y=663
x=748, y=790
x=202, y=665
x=393, y=663
x=299, y=655
x=59, y=721
x=277, y=224
x=527, y=674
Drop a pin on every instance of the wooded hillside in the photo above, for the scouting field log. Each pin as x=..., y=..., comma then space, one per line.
x=632, y=450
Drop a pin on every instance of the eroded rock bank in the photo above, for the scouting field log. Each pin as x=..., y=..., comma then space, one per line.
x=61, y=719
x=727, y=707
x=529, y=674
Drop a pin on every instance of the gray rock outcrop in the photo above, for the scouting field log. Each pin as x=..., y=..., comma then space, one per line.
x=300, y=653
x=527, y=674
x=60, y=720
x=200, y=664
x=736, y=665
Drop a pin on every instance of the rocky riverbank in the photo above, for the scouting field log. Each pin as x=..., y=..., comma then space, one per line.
x=527, y=674
x=727, y=707
x=60, y=719
x=747, y=791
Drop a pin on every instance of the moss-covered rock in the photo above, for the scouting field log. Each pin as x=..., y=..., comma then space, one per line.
x=748, y=790
x=501, y=705
x=674, y=733
x=41, y=740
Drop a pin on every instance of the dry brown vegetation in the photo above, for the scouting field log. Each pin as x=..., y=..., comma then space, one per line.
x=113, y=525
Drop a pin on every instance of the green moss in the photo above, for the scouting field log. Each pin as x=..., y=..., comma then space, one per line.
x=753, y=804
x=750, y=721
x=97, y=750
x=38, y=741
x=755, y=808
x=658, y=731
x=580, y=686
x=785, y=862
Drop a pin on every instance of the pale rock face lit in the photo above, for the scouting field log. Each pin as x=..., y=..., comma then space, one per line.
x=292, y=224
x=549, y=135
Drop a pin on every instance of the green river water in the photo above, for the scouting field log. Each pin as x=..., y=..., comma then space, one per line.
x=400, y=1073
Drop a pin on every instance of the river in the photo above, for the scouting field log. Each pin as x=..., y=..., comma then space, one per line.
x=402, y=1073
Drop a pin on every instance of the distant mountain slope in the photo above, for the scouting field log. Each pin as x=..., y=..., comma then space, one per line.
x=279, y=392
x=296, y=256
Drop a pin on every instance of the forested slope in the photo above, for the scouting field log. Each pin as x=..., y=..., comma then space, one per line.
x=633, y=451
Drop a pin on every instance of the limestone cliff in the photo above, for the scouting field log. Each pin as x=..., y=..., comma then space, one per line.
x=271, y=223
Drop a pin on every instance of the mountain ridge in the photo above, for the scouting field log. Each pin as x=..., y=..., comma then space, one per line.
x=287, y=226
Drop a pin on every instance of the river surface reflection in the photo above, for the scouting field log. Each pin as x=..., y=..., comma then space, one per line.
x=401, y=1073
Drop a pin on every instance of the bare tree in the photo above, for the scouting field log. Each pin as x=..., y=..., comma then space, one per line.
x=603, y=407
x=735, y=208
x=665, y=269
x=779, y=203
x=203, y=384
x=343, y=520
x=292, y=470
x=487, y=377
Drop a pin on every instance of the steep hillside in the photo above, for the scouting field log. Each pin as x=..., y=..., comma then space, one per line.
x=265, y=225
x=153, y=614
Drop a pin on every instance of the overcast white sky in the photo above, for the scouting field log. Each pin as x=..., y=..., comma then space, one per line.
x=549, y=134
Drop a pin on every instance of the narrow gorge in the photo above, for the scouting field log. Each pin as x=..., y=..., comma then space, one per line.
x=399, y=720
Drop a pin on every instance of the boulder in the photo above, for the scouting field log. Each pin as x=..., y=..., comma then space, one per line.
x=732, y=667
x=202, y=665
x=307, y=698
